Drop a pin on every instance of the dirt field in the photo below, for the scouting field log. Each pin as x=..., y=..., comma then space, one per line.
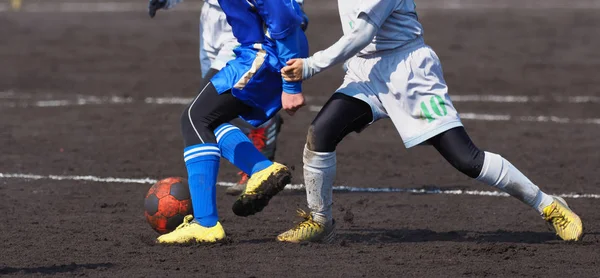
x=522, y=63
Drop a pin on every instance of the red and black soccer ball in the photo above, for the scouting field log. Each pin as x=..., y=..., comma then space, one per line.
x=167, y=203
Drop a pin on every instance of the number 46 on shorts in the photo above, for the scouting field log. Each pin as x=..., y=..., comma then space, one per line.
x=436, y=105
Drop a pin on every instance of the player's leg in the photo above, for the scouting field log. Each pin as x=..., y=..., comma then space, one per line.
x=267, y=178
x=421, y=109
x=240, y=185
x=494, y=170
x=207, y=122
x=341, y=115
x=264, y=139
x=458, y=149
x=438, y=123
x=216, y=49
x=202, y=154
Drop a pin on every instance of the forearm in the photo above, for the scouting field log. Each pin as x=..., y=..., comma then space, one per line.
x=343, y=49
x=293, y=46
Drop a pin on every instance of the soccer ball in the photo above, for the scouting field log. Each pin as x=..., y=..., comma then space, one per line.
x=167, y=203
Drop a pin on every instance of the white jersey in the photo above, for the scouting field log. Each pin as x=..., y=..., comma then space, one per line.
x=216, y=38
x=396, y=19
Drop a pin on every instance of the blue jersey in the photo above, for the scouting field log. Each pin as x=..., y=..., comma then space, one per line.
x=269, y=34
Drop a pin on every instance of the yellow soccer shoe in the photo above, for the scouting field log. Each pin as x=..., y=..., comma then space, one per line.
x=190, y=231
x=309, y=231
x=239, y=187
x=261, y=187
x=565, y=222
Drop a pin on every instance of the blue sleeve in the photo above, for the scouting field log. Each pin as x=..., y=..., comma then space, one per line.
x=281, y=16
x=294, y=45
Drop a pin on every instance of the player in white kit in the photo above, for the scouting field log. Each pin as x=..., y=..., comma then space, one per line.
x=391, y=72
x=216, y=49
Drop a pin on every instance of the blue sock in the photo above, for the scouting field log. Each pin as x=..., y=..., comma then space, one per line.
x=202, y=162
x=237, y=148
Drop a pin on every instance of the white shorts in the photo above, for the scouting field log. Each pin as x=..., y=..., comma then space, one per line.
x=407, y=86
x=216, y=38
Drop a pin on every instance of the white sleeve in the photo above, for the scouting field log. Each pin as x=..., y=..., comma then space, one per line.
x=378, y=11
x=362, y=34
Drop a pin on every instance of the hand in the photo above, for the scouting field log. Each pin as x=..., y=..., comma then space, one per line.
x=293, y=71
x=292, y=102
x=155, y=5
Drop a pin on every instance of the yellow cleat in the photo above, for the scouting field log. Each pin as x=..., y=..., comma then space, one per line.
x=261, y=187
x=309, y=231
x=565, y=222
x=239, y=187
x=190, y=231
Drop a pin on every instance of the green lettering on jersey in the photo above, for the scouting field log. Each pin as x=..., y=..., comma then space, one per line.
x=351, y=23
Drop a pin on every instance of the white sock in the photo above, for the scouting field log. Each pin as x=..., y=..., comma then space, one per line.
x=500, y=173
x=319, y=175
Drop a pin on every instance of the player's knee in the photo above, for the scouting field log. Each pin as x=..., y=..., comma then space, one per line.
x=311, y=138
x=193, y=126
x=469, y=164
x=184, y=120
x=186, y=125
x=318, y=141
x=194, y=116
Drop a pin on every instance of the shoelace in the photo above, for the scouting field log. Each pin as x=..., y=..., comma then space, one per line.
x=258, y=138
x=308, y=221
x=186, y=221
x=562, y=219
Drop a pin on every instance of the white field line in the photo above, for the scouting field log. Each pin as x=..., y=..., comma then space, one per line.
x=539, y=119
x=485, y=98
x=289, y=186
x=12, y=100
x=524, y=99
x=505, y=117
x=79, y=101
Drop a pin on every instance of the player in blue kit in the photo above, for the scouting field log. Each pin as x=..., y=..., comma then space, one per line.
x=217, y=43
x=251, y=87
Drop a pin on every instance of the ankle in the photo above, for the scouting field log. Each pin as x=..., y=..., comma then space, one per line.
x=322, y=218
x=542, y=200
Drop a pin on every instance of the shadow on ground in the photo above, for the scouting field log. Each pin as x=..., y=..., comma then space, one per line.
x=425, y=235
x=53, y=269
